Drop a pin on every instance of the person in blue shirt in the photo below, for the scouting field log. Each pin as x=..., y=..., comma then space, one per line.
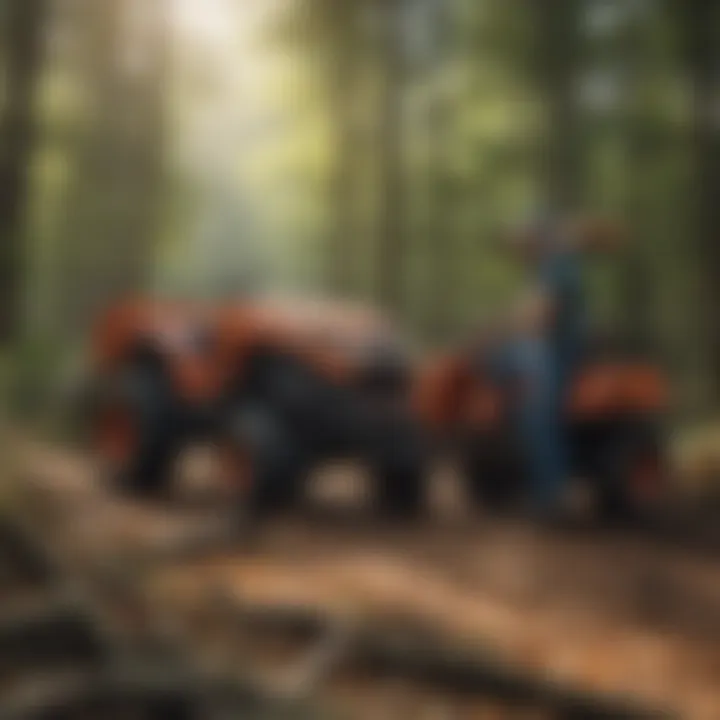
x=543, y=354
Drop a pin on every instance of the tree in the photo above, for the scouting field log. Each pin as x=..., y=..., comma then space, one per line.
x=114, y=200
x=330, y=34
x=557, y=65
x=22, y=58
x=391, y=240
x=628, y=40
x=439, y=211
x=343, y=61
x=698, y=20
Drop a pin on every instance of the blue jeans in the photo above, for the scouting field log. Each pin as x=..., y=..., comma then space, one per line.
x=542, y=374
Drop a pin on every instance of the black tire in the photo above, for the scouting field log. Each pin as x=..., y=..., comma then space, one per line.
x=144, y=392
x=492, y=472
x=266, y=419
x=278, y=463
x=400, y=465
x=622, y=499
x=400, y=492
x=277, y=485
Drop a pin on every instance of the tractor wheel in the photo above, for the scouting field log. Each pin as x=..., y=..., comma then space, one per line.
x=264, y=461
x=278, y=482
x=492, y=472
x=401, y=492
x=134, y=430
x=400, y=467
x=633, y=483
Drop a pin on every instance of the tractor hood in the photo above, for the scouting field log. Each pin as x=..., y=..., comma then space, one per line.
x=341, y=339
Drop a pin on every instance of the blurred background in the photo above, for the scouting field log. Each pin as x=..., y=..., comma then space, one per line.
x=367, y=148
x=373, y=150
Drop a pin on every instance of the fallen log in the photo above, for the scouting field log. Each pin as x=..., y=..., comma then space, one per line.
x=149, y=691
x=424, y=657
x=22, y=556
x=50, y=634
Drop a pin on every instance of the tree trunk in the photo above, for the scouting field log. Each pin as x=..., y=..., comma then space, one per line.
x=636, y=289
x=557, y=61
x=699, y=23
x=391, y=247
x=441, y=250
x=341, y=251
x=114, y=201
x=23, y=24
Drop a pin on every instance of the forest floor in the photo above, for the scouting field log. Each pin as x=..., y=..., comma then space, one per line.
x=612, y=612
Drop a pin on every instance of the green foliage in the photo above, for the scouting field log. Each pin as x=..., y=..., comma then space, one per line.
x=30, y=376
x=472, y=131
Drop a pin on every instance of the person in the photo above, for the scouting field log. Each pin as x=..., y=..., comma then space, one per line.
x=545, y=348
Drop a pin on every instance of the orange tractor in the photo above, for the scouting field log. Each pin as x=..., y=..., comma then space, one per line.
x=614, y=414
x=279, y=387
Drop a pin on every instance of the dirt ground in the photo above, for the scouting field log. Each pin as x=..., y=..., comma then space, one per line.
x=606, y=611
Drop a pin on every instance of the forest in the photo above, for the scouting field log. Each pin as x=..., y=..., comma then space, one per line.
x=367, y=148
x=250, y=531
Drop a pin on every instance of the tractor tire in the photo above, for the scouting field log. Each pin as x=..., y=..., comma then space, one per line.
x=400, y=493
x=632, y=482
x=400, y=466
x=273, y=462
x=278, y=483
x=136, y=430
x=492, y=473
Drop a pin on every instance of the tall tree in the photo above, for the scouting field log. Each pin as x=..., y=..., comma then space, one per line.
x=22, y=45
x=636, y=287
x=441, y=253
x=332, y=33
x=556, y=62
x=343, y=72
x=391, y=245
x=114, y=201
x=699, y=25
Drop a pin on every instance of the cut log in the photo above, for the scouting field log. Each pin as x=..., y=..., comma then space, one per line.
x=424, y=657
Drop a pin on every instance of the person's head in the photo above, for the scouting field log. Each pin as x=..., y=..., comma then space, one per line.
x=595, y=233
x=534, y=237
x=543, y=235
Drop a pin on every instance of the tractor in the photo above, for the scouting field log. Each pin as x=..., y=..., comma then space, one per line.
x=278, y=385
x=614, y=413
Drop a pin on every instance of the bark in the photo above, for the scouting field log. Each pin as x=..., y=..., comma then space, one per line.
x=342, y=255
x=23, y=42
x=114, y=202
x=699, y=23
x=21, y=559
x=636, y=289
x=51, y=635
x=420, y=655
x=391, y=245
x=556, y=65
x=439, y=228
